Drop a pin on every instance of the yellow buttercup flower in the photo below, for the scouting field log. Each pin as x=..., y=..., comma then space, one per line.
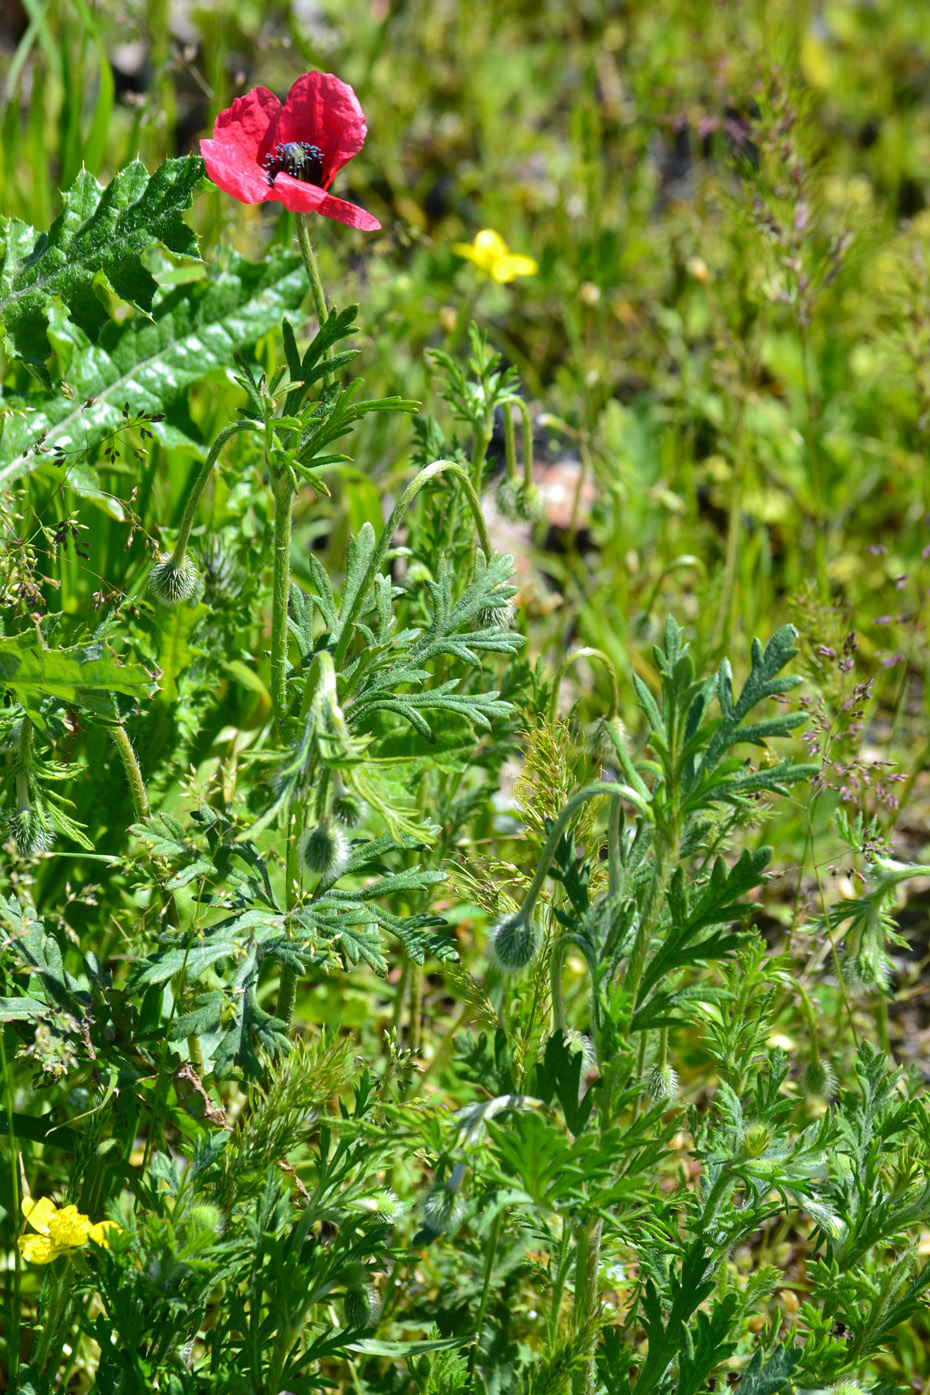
x=58, y=1230
x=490, y=252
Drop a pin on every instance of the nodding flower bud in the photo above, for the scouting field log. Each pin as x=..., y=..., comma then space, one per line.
x=869, y=968
x=819, y=1080
x=443, y=1208
x=360, y=1306
x=515, y=942
x=31, y=833
x=381, y=1206
x=497, y=615
x=171, y=583
x=348, y=809
x=506, y=497
x=324, y=851
x=599, y=737
x=529, y=503
x=661, y=1084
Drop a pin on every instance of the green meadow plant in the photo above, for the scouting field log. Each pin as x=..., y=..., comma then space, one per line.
x=384, y=1010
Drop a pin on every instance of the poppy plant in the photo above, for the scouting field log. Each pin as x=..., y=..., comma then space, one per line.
x=263, y=150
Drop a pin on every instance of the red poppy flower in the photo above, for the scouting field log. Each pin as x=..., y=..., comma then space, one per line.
x=264, y=151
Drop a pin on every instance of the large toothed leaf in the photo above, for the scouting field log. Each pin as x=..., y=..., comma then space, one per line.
x=94, y=245
x=149, y=363
x=82, y=676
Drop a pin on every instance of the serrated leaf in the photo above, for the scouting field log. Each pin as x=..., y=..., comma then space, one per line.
x=81, y=676
x=99, y=233
x=150, y=364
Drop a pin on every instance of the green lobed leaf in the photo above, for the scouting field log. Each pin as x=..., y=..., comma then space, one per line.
x=81, y=676
x=146, y=365
x=99, y=233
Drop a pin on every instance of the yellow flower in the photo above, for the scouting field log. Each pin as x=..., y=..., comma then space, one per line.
x=58, y=1231
x=490, y=252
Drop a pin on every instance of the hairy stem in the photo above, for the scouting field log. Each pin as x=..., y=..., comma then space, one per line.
x=313, y=274
x=283, y=498
x=200, y=484
x=573, y=658
x=584, y=1379
x=140, y=802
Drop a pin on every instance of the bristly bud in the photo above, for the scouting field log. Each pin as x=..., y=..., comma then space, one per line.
x=599, y=741
x=498, y=615
x=515, y=942
x=348, y=809
x=30, y=831
x=868, y=969
x=506, y=497
x=223, y=578
x=529, y=503
x=325, y=851
x=661, y=1084
x=443, y=1209
x=172, y=584
x=847, y=1387
x=360, y=1306
x=381, y=1206
x=818, y=1081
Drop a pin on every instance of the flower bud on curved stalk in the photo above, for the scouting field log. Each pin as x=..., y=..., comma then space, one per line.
x=819, y=1080
x=171, y=582
x=515, y=942
x=324, y=851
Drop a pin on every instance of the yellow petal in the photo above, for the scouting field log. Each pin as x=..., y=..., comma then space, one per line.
x=98, y=1232
x=464, y=249
x=38, y=1212
x=38, y=1249
x=490, y=247
x=506, y=268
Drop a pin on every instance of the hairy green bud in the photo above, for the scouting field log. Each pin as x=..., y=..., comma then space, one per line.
x=170, y=583
x=30, y=831
x=360, y=1306
x=324, y=851
x=515, y=942
x=443, y=1208
x=598, y=738
x=818, y=1081
x=529, y=503
x=506, y=497
x=348, y=809
x=661, y=1084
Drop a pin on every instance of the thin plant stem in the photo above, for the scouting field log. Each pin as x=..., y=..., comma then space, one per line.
x=820, y=558
x=127, y=755
x=587, y=1259
x=313, y=275
x=283, y=499
x=485, y=1290
x=574, y=658
x=200, y=484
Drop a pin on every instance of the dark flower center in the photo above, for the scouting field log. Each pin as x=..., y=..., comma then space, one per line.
x=297, y=158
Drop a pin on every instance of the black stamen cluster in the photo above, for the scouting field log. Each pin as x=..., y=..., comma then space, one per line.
x=297, y=158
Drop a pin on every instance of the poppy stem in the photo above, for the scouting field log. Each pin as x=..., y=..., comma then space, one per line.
x=313, y=273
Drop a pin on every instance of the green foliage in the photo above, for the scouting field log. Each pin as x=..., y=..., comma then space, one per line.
x=94, y=246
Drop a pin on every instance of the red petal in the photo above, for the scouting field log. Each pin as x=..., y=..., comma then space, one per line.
x=232, y=155
x=323, y=111
x=243, y=125
x=235, y=175
x=307, y=198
